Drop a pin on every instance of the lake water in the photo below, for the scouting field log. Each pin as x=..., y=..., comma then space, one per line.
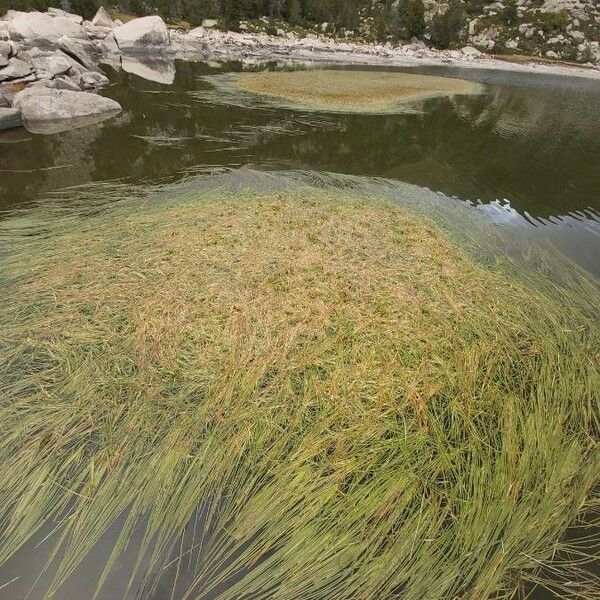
x=526, y=153
x=528, y=148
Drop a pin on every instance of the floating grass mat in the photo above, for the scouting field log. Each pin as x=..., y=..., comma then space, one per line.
x=332, y=396
x=351, y=91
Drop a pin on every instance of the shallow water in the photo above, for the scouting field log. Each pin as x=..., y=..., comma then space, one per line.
x=525, y=154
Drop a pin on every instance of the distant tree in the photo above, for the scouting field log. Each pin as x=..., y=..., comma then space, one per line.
x=137, y=7
x=348, y=13
x=382, y=24
x=85, y=8
x=475, y=7
x=41, y=5
x=411, y=19
x=231, y=14
x=293, y=12
x=447, y=26
x=510, y=14
x=499, y=45
x=195, y=11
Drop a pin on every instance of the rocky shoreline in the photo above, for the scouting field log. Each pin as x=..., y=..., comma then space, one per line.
x=259, y=46
x=51, y=63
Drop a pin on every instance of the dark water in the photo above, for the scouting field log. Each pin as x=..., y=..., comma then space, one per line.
x=528, y=147
x=526, y=152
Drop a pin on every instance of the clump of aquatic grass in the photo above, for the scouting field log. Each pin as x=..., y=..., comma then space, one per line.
x=351, y=91
x=357, y=408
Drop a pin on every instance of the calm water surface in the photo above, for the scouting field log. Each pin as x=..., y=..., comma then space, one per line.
x=528, y=148
x=526, y=151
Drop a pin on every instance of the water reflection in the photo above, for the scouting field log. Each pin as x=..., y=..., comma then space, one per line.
x=533, y=141
x=58, y=126
x=159, y=70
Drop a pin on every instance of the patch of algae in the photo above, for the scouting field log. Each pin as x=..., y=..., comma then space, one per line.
x=352, y=91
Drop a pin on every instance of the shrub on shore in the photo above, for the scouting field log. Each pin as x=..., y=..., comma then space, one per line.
x=411, y=19
x=446, y=27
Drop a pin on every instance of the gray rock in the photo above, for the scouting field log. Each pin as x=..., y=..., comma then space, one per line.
x=9, y=118
x=15, y=69
x=24, y=80
x=15, y=47
x=5, y=49
x=58, y=12
x=470, y=51
x=55, y=64
x=4, y=31
x=209, y=23
x=97, y=33
x=109, y=45
x=578, y=36
x=93, y=79
x=43, y=105
x=43, y=82
x=102, y=18
x=82, y=52
x=551, y=54
x=39, y=28
x=64, y=82
x=4, y=103
x=575, y=7
x=31, y=53
x=198, y=32
x=42, y=77
x=141, y=34
x=3, y=60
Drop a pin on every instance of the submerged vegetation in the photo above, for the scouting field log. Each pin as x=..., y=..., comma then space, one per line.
x=351, y=91
x=358, y=408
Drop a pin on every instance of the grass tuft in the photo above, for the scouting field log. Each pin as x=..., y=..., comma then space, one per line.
x=358, y=407
x=351, y=91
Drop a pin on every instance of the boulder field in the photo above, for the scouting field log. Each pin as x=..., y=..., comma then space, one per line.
x=63, y=52
x=50, y=65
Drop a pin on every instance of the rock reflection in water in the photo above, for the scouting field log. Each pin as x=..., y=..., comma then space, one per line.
x=61, y=125
x=159, y=70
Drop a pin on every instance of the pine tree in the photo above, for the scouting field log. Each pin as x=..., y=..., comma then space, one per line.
x=411, y=19
x=382, y=26
x=510, y=14
x=446, y=27
x=293, y=12
x=231, y=14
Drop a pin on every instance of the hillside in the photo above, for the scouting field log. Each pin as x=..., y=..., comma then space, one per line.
x=566, y=30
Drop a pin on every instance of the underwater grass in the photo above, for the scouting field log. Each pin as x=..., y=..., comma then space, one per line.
x=358, y=407
x=351, y=91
